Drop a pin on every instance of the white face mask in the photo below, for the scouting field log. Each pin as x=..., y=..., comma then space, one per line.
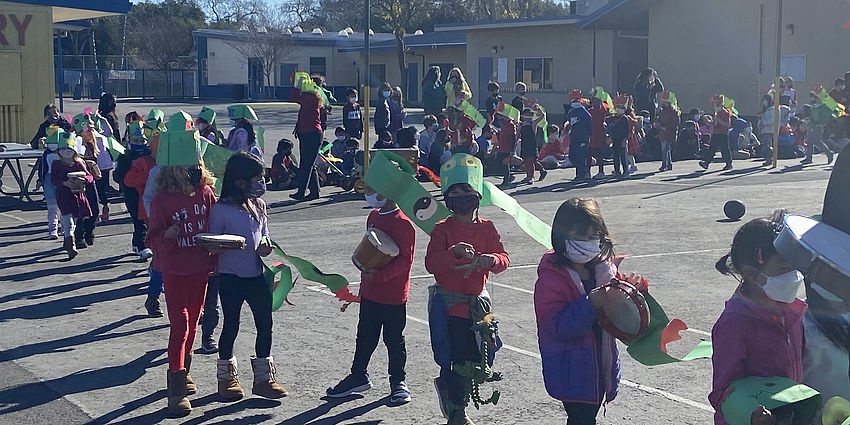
x=66, y=153
x=581, y=252
x=52, y=147
x=387, y=93
x=783, y=288
x=576, y=104
x=352, y=99
x=696, y=117
x=373, y=202
x=340, y=138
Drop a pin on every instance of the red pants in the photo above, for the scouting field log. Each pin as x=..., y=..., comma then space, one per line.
x=529, y=164
x=184, y=298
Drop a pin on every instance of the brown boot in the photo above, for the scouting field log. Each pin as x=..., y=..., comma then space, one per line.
x=458, y=417
x=191, y=388
x=228, y=384
x=70, y=247
x=265, y=384
x=178, y=404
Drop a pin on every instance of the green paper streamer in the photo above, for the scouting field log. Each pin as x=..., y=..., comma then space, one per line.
x=773, y=392
x=279, y=287
x=528, y=222
x=647, y=349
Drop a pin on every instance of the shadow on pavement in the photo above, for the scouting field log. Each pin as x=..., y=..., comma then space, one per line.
x=33, y=395
x=97, y=265
x=352, y=413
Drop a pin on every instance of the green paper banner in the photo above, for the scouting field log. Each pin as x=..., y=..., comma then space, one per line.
x=528, y=222
x=215, y=160
x=650, y=349
x=747, y=394
x=279, y=286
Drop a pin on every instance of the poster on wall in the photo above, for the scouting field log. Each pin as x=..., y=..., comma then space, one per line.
x=502, y=74
x=793, y=66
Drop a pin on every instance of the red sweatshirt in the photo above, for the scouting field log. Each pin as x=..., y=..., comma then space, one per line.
x=309, y=116
x=597, y=127
x=440, y=257
x=137, y=178
x=507, y=137
x=180, y=256
x=391, y=283
x=722, y=121
x=462, y=135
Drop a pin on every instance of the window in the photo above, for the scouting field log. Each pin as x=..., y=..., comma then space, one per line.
x=318, y=65
x=378, y=74
x=204, y=72
x=444, y=69
x=284, y=77
x=536, y=73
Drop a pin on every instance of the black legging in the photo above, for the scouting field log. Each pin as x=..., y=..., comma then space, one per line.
x=102, y=185
x=581, y=413
x=307, y=176
x=233, y=291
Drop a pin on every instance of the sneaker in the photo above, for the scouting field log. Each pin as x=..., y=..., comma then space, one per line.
x=80, y=243
x=704, y=165
x=806, y=161
x=145, y=254
x=399, y=393
x=52, y=236
x=663, y=168
x=89, y=239
x=350, y=385
x=632, y=169
x=153, y=307
x=727, y=167
x=542, y=175
x=104, y=216
x=526, y=181
x=207, y=347
x=510, y=180
x=134, y=250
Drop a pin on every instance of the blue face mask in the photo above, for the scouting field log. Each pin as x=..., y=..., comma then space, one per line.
x=139, y=149
x=257, y=190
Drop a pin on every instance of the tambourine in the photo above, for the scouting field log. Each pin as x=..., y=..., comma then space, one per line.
x=819, y=250
x=376, y=250
x=223, y=242
x=624, y=313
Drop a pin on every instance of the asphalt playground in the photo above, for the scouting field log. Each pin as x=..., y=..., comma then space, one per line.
x=76, y=346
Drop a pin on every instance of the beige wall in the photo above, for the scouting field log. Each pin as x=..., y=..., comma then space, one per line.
x=570, y=48
x=454, y=55
x=26, y=71
x=707, y=56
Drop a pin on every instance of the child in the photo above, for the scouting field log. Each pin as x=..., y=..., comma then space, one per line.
x=242, y=137
x=438, y=148
x=460, y=131
x=528, y=145
x=381, y=119
x=598, y=137
x=179, y=211
x=70, y=189
x=619, y=131
x=130, y=118
x=51, y=118
x=205, y=123
x=552, y=153
x=518, y=102
x=580, y=125
x=426, y=138
x=760, y=332
x=719, y=135
x=635, y=135
x=241, y=212
x=383, y=304
x=51, y=144
x=338, y=145
x=492, y=101
x=483, y=143
x=464, y=249
x=397, y=114
x=93, y=153
x=385, y=141
x=283, y=167
x=352, y=117
x=667, y=122
x=406, y=138
x=581, y=365
x=131, y=173
x=687, y=140
x=505, y=147
x=349, y=158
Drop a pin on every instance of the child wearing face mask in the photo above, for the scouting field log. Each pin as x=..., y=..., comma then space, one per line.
x=339, y=143
x=51, y=145
x=760, y=332
x=528, y=150
x=352, y=117
x=580, y=129
x=131, y=173
x=580, y=360
x=242, y=212
x=383, y=304
x=464, y=249
x=70, y=191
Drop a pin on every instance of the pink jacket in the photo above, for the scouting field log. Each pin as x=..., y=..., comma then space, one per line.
x=750, y=339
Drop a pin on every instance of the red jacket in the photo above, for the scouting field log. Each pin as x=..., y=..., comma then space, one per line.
x=507, y=137
x=391, y=284
x=309, y=116
x=668, y=124
x=552, y=148
x=137, y=177
x=597, y=127
x=192, y=213
x=440, y=257
x=462, y=135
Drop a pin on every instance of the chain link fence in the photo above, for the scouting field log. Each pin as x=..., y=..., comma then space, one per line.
x=122, y=76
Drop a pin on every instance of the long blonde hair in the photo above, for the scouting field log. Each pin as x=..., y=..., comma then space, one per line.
x=175, y=179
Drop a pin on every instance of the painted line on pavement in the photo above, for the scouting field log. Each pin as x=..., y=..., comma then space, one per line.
x=15, y=218
x=532, y=354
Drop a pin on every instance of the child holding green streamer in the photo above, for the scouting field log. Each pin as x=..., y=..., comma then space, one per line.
x=241, y=212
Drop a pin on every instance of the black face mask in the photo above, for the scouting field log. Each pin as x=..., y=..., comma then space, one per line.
x=194, y=176
x=462, y=205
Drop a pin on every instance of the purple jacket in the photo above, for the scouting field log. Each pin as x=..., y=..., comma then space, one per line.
x=751, y=339
x=575, y=367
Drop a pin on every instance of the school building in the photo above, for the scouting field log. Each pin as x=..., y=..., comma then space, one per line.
x=699, y=48
x=27, y=35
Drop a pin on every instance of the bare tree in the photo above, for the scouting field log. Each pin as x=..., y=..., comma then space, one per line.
x=267, y=42
x=398, y=15
x=300, y=11
x=232, y=13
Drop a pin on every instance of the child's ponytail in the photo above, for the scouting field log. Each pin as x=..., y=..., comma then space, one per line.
x=751, y=246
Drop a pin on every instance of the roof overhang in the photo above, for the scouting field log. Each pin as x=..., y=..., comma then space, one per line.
x=69, y=10
x=620, y=15
x=510, y=23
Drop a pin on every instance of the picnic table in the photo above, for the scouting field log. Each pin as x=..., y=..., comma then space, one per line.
x=12, y=159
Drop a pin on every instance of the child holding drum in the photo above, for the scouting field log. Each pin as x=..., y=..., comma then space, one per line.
x=383, y=302
x=463, y=251
x=760, y=332
x=581, y=365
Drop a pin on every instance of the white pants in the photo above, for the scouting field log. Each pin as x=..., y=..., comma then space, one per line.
x=68, y=225
x=52, y=218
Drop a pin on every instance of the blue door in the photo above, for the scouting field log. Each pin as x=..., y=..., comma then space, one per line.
x=485, y=74
x=413, y=82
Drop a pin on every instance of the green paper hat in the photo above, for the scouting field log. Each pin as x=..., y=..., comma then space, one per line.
x=207, y=115
x=234, y=112
x=83, y=121
x=774, y=393
x=135, y=131
x=156, y=114
x=61, y=138
x=462, y=168
x=153, y=122
x=180, y=145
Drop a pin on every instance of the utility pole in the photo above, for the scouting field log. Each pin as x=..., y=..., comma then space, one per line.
x=776, y=88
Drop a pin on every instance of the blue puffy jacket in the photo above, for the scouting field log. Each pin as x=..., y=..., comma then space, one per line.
x=580, y=121
x=575, y=367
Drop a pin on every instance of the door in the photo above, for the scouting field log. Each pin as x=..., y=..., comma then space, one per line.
x=255, y=78
x=485, y=74
x=413, y=82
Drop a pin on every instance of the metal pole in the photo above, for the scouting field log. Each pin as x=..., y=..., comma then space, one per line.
x=61, y=71
x=368, y=81
x=776, y=88
x=593, y=78
x=761, y=49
